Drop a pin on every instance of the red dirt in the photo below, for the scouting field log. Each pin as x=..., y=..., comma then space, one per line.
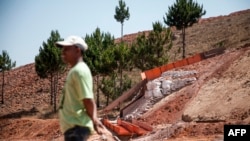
x=170, y=110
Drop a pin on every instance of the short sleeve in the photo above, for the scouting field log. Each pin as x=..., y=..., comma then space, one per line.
x=84, y=85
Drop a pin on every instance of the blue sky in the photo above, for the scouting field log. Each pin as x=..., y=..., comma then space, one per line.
x=25, y=24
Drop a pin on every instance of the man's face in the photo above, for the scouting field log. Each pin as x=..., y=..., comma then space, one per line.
x=69, y=54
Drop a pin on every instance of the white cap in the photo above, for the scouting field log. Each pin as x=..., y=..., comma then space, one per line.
x=73, y=40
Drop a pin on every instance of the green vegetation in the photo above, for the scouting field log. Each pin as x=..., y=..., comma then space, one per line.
x=152, y=50
x=106, y=60
x=111, y=88
x=48, y=64
x=121, y=14
x=182, y=14
x=5, y=65
x=100, y=56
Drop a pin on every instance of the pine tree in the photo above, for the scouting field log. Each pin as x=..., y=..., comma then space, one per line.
x=121, y=14
x=182, y=14
x=123, y=56
x=48, y=64
x=99, y=57
x=151, y=50
x=5, y=65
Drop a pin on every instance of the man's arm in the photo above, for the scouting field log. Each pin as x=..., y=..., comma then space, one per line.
x=92, y=113
x=90, y=108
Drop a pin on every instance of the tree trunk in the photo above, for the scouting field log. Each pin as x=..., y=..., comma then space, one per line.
x=121, y=32
x=54, y=83
x=3, y=88
x=107, y=101
x=120, y=81
x=97, y=92
x=115, y=90
x=55, y=90
x=51, y=89
x=183, y=43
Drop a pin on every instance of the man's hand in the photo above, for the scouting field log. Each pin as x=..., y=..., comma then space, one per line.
x=92, y=112
x=100, y=128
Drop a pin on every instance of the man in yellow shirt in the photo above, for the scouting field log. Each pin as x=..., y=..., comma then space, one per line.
x=77, y=113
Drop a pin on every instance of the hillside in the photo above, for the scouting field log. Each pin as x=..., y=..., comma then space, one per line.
x=198, y=111
x=220, y=95
x=228, y=31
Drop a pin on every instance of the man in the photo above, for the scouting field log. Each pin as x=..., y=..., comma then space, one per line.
x=77, y=111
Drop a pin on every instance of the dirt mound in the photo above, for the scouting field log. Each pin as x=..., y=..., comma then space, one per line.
x=25, y=91
x=202, y=109
x=225, y=96
x=29, y=129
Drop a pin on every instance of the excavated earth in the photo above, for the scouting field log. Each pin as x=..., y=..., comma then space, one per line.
x=198, y=111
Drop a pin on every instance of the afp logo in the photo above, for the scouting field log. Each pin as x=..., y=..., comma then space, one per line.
x=236, y=132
